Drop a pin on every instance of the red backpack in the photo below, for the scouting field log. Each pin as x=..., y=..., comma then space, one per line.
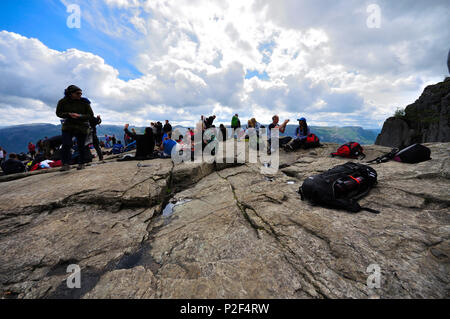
x=350, y=150
x=311, y=141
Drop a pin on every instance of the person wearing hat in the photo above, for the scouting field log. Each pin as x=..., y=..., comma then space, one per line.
x=76, y=112
x=301, y=133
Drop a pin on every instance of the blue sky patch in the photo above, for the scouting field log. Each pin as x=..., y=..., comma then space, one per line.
x=46, y=20
x=252, y=73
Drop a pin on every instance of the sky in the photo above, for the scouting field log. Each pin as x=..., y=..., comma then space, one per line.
x=337, y=63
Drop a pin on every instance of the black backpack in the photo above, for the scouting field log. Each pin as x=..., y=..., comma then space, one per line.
x=412, y=154
x=340, y=187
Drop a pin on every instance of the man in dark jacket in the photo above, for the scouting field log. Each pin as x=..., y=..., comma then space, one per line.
x=159, y=133
x=145, y=143
x=94, y=121
x=167, y=127
x=12, y=165
x=76, y=112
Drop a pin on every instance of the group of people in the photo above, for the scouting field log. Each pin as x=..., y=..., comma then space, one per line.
x=79, y=128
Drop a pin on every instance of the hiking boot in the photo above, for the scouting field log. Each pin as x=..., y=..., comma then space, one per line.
x=80, y=166
x=65, y=168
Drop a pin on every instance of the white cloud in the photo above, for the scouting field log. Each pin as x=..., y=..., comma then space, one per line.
x=320, y=58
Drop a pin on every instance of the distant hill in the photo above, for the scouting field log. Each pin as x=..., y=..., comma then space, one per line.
x=341, y=135
x=15, y=138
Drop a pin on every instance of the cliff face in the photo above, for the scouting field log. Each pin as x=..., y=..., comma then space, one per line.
x=426, y=120
x=234, y=232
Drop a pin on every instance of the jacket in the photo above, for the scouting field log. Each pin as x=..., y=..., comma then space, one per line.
x=167, y=128
x=82, y=107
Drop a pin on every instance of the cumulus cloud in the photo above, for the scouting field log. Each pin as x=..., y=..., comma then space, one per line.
x=318, y=59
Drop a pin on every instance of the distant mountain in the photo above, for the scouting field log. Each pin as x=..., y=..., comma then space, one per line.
x=340, y=135
x=15, y=138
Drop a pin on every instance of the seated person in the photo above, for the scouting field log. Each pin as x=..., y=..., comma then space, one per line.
x=145, y=143
x=12, y=165
x=117, y=148
x=256, y=125
x=167, y=146
x=281, y=128
x=301, y=133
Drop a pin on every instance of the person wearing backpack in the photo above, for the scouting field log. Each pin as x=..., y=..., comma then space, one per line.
x=76, y=112
x=235, y=124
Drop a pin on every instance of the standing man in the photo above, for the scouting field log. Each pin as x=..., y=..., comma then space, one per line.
x=76, y=112
x=235, y=124
x=167, y=128
x=32, y=149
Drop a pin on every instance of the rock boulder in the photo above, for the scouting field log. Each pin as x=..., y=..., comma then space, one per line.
x=232, y=231
x=426, y=120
